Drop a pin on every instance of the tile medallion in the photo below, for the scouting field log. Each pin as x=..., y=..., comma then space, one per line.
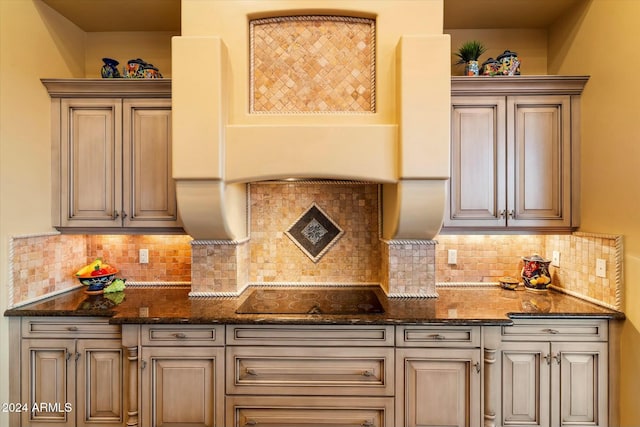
x=314, y=232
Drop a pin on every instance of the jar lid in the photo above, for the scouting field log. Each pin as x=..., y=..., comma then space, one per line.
x=507, y=53
x=536, y=258
x=490, y=61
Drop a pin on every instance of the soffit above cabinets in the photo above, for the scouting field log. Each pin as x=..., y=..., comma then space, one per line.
x=164, y=15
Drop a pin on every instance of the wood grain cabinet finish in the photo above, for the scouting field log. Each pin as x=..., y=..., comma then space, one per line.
x=440, y=383
x=555, y=382
x=111, y=162
x=514, y=154
x=72, y=381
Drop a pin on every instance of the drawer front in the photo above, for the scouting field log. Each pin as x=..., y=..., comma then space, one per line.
x=309, y=335
x=438, y=336
x=556, y=330
x=69, y=327
x=182, y=335
x=310, y=371
x=309, y=411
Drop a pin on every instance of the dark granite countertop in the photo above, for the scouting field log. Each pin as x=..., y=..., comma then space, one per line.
x=455, y=305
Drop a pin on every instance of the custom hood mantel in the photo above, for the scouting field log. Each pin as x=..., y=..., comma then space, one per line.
x=307, y=89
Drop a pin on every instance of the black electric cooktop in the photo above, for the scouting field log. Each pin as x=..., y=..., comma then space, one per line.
x=303, y=300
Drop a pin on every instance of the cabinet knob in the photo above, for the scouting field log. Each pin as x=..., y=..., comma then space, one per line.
x=547, y=358
x=552, y=331
x=124, y=214
x=366, y=423
x=437, y=337
x=180, y=335
x=477, y=366
x=251, y=423
x=116, y=214
x=367, y=373
x=250, y=371
x=72, y=328
x=77, y=356
x=511, y=214
x=502, y=213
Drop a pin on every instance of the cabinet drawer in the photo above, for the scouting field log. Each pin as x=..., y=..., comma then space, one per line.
x=309, y=411
x=310, y=371
x=556, y=330
x=69, y=327
x=308, y=335
x=182, y=335
x=438, y=336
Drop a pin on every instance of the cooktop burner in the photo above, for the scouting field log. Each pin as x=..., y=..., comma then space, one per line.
x=311, y=301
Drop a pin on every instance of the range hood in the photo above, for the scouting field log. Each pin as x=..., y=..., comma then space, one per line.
x=222, y=141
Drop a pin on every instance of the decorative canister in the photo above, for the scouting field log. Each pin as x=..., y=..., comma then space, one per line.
x=490, y=67
x=509, y=63
x=535, y=272
x=110, y=69
x=151, y=72
x=135, y=68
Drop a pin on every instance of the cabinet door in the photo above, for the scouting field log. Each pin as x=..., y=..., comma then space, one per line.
x=438, y=387
x=91, y=162
x=525, y=383
x=48, y=381
x=181, y=387
x=149, y=188
x=100, y=378
x=477, y=185
x=539, y=161
x=579, y=384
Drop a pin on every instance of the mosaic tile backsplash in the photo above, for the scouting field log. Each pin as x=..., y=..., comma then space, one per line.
x=312, y=64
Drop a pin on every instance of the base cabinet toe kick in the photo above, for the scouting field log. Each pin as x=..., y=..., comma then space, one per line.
x=536, y=372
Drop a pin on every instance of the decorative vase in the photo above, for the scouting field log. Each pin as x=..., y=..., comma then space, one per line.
x=509, y=63
x=490, y=67
x=471, y=68
x=135, y=69
x=109, y=69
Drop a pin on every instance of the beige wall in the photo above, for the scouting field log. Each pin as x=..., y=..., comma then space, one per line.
x=34, y=42
x=596, y=39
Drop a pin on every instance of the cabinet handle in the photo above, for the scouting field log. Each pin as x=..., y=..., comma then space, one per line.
x=367, y=373
x=502, y=213
x=552, y=331
x=250, y=371
x=77, y=356
x=366, y=423
x=180, y=335
x=437, y=337
x=511, y=214
x=115, y=214
x=477, y=366
x=251, y=423
x=558, y=358
x=72, y=328
x=124, y=214
x=143, y=364
x=547, y=358
x=67, y=356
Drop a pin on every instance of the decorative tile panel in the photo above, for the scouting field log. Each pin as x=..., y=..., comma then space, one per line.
x=312, y=64
x=314, y=233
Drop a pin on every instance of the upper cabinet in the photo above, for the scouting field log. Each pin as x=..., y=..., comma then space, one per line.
x=112, y=155
x=514, y=153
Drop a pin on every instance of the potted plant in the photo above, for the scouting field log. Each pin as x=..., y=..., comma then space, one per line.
x=469, y=53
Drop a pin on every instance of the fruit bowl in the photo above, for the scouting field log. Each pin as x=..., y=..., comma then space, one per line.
x=99, y=281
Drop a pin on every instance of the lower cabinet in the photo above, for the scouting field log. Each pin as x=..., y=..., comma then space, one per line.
x=310, y=375
x=555, y=374
x=438, y=386
x=182, y=376
x=69, y=378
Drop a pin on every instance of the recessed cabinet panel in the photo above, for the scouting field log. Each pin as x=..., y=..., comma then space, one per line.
x=525, y=384
x=91, y=148
x=150, y=192
x=477, y=196
x=541, y=136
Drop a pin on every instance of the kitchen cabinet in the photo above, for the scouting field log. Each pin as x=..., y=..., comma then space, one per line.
x=555, y=373
x=182, y=375
x=439, y=376
x=514, y=153
x=293, y=375
x=71, y=373
x=112, y=155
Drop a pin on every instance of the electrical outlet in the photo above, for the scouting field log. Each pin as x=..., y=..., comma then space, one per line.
x=555, y=259
x=452, y=256
x=601, y=268
x=143, y=256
